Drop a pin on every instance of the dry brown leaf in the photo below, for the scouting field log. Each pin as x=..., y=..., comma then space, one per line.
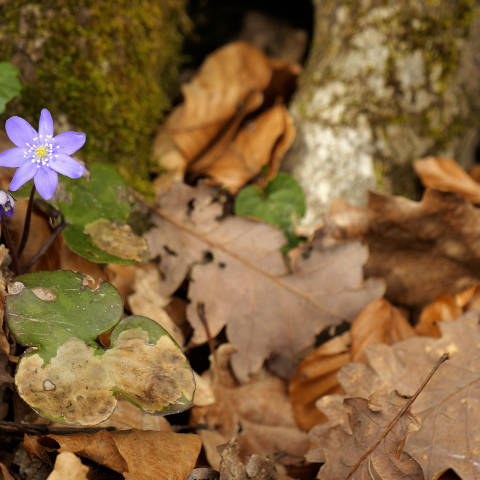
x=422, y=249
x=447, y=175
x=204, y=395
x=68, y=467
x=257, y=467
x=228, y=86
x=236, y=268
x=369, y=420
x=34, y=449
x=259, y=415
x=317, y=376
x=136, y=454
x=147, y=301
x=252, y=148
x=127, y=416
x=379, y=322
x=447, y=406
x=443, y=309
x=4, y=473
x=4, y=345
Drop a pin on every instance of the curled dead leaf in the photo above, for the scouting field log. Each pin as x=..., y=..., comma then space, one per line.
x=134, y=453
x=422, y=249
x=378, y=322
x=205, y=135
x=447, y=175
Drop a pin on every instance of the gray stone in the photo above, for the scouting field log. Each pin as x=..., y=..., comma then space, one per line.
x=385, y=84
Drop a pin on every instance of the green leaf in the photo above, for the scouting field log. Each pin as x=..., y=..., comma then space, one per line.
x=281, y=202
x=10, y=86
x=47, y=308
x=96, y=207
x=67, y=376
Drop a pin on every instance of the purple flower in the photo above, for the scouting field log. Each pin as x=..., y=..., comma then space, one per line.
x=40, y=155
x=6, y=204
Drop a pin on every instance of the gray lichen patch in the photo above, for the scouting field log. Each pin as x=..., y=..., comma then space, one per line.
x=74, y=385
x=119, y=240
x=153, y=376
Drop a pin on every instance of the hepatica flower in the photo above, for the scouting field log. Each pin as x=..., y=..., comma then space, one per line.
x=6, y=204
x=41, y=156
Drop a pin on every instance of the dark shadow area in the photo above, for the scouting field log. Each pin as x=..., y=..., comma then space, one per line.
x=280, y=28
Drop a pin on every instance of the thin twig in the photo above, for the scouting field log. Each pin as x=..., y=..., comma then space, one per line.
x=19, y=429
x=10, y=245
x=26, y=226
x=45, y=247
x=442, y=359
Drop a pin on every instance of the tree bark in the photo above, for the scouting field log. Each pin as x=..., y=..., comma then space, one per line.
x=385, y=83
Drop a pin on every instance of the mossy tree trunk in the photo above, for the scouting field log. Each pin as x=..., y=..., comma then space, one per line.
x=386, y=83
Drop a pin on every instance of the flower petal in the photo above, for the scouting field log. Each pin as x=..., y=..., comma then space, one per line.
x=20, y=132
x=45, y=126
x=14, y=157
x=6, y=203
x=69, y=142
x=66, y=166
x=46, y=181
x=8, y=213
x=26, y=171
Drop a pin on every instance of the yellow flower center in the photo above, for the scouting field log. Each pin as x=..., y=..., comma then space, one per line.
x=41, y=152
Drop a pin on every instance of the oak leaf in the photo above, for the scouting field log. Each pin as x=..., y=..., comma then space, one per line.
x=236, y=268
x=422, y=249
x=447, y=406
x=369, y=421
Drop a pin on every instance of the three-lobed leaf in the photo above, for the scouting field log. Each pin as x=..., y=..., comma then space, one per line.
x=281, y=202
x=96, y=209
x=68, y=376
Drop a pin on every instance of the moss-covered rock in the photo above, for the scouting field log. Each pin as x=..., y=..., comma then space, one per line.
x=105, y=68
x=386, y=83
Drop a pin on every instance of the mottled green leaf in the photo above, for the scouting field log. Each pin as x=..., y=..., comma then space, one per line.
x=281, y=202
x=68, y=376
x=46, y=308
x=10, y=86
x=96, y=207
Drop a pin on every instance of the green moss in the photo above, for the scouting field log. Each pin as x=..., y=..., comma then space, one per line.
x=108, y=66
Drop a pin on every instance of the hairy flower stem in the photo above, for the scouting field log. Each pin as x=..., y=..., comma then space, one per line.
x=28, y=218
x=11, y=246
x=45, y=247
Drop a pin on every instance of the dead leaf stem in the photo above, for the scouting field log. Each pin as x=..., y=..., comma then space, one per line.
x=442, y=359
x=234, y=255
